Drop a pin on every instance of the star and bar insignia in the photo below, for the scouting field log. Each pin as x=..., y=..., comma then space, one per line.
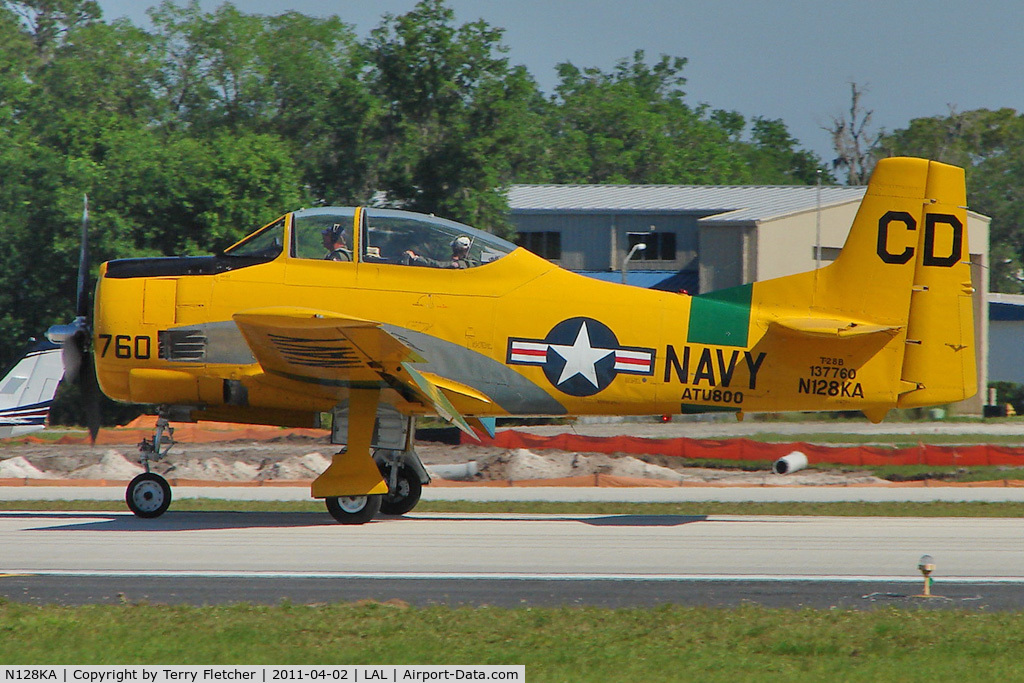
x=581, y=356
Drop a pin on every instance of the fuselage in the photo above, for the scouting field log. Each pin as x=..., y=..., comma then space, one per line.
x=511, y=335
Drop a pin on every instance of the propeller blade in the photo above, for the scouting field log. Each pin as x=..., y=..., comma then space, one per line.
x=90, y=396
x=82, y=301
x=71, y=352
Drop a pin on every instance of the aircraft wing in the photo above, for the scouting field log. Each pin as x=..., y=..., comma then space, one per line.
x=328, y=349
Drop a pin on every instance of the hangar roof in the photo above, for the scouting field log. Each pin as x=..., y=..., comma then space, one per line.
x=715, y=203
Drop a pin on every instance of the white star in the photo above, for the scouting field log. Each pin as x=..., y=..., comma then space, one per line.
x=581, y=358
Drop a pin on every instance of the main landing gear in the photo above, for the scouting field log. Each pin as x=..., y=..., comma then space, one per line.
x=149, y=495
x=404, y=474
x=391, y=441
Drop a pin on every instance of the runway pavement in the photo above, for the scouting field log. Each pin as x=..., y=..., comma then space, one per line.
x=676, y=494
x=500, y=559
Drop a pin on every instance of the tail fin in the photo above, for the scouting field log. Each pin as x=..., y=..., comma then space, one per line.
x=27, y=390
x=901, y=284
x=906, y=261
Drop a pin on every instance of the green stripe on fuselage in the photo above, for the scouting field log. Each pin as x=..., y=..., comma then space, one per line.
x=721, y=318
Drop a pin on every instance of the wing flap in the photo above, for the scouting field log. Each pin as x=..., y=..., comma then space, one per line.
x=432, y=395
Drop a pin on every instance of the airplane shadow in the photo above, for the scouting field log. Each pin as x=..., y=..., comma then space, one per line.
x=211, y=521
x=603, y=520
x=186, y=521
x=644, y=520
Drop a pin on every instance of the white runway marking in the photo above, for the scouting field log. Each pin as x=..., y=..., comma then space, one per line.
x=505, y=576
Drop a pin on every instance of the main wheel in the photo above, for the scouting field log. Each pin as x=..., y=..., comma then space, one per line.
x=405, y=495
x=148, y=495
x=353, y=509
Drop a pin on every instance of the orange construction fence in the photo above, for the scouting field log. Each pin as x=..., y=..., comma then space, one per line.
x=696, y=449
x=745, y=449
x=199, y=432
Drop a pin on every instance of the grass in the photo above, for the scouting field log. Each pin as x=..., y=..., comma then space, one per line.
x=845, y=509
x=667, y=643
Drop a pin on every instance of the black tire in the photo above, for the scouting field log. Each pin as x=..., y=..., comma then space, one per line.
x=353, y=509
x=148, y=495
x=406, y=494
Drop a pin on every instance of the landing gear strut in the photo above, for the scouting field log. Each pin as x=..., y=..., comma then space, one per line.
x=149, y=495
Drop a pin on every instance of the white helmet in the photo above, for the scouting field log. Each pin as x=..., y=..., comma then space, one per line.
x=461, y=242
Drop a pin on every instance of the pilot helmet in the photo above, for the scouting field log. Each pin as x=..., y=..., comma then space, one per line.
x=335, y=233
x=461, y=243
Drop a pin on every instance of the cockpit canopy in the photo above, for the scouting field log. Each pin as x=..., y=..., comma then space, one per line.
x=382, y=236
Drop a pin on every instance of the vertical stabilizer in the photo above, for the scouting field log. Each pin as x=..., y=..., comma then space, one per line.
x=905, y=263
x=899, y=294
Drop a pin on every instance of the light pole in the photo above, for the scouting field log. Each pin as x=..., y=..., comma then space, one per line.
x=639, y=246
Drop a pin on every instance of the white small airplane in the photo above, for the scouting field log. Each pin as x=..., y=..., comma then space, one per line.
x=27, y=390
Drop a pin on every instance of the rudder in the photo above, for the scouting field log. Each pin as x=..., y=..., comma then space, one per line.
x=940, y=359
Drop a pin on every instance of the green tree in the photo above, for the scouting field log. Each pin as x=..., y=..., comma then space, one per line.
x=458, y=123
x=776, y=159
x=176, y=194
x=632, y=125
x=48, y=22
x=292, y=75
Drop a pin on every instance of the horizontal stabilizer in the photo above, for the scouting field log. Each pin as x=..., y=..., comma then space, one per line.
x=834, y=328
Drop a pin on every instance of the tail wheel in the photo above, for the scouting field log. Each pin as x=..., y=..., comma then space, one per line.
x=404, y=495
x=353, y=509
x=148, y=495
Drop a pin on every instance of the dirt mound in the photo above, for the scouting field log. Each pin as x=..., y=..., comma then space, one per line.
x=20, y=468
x=113, y=465
x=294, y=458
x=522, y=464
x=308, y=466
x=213, y=469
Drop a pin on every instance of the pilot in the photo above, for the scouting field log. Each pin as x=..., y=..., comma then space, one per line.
x=334, y=243
x=459, y=258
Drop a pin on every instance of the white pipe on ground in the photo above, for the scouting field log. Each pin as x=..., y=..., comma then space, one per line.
x=793, y=462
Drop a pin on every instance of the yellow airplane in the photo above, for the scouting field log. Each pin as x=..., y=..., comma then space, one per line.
x=379, y=316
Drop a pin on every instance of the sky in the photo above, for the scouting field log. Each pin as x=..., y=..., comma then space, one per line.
x=784, y=59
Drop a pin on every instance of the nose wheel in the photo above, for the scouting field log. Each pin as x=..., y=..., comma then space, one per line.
x=148, y=495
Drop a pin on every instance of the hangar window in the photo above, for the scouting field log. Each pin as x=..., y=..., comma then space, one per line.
x=544, y=244
x=661, y=246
